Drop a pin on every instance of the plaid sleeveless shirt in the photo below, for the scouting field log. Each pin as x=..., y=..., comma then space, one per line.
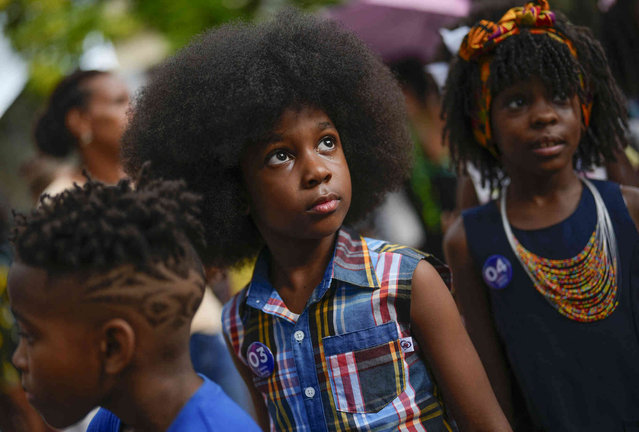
x=348, y=361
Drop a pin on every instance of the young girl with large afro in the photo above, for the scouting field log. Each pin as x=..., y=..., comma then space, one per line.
x=229, y=88
x=291, y=129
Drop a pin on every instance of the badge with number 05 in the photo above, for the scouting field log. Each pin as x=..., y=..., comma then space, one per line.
x=497, y=272
x=260, y=359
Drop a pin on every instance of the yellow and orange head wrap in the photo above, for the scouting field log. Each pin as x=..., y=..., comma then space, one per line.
x=478, y=45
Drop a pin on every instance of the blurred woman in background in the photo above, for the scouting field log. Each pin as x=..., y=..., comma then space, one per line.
x=82, y=125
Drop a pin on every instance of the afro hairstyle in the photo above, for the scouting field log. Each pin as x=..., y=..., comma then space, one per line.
x=94, y=228
x=227, y=91
x=527, y=55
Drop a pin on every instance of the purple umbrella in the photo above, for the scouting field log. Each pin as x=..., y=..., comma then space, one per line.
x=400, y=28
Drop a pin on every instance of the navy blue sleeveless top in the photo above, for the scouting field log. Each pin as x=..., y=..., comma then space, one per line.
x=574, y=376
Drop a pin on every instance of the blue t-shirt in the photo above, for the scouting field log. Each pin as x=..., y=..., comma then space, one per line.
x=208, y=410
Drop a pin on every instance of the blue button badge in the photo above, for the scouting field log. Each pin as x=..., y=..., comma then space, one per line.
x=497, y=272
x=260, y=359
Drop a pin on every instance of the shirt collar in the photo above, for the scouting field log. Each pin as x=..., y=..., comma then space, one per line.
x=352, y=262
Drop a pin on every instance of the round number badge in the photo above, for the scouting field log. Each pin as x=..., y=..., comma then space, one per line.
x=497, y=272
x=260, y=359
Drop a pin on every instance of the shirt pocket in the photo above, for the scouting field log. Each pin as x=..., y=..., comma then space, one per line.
x=366, y=368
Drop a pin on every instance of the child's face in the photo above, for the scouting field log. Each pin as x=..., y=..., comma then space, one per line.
x=536, y=131
x=56, y=355
x=299, y=185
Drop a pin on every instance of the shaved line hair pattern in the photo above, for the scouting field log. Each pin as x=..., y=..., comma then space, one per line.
x=133, y=245
x=158, y=293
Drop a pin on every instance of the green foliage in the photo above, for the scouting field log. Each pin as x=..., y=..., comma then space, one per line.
x=180, y=20
x=50, y=34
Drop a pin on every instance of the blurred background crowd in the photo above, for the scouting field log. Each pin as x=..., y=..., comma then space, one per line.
x=105, y=50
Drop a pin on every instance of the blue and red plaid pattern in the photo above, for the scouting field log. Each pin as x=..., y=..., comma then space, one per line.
x=346, y=383
x=355, y=377
x=339, y=365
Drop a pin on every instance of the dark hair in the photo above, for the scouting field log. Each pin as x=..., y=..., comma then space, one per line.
x=411, y=74
x=228, y=89
x=95, y=227
x=51, y=134
x=521, y=57
x=620, y=38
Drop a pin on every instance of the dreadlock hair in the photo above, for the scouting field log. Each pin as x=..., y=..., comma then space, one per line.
x=227, y=91
x=51, y=134
x=527, y=55
x=94, y=228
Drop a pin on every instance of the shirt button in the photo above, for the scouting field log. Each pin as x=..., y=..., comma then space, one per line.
x=309, y=392
x=299, y=335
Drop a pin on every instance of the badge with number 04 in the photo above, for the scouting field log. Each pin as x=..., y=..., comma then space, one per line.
x=260, y=359
x=497, y=272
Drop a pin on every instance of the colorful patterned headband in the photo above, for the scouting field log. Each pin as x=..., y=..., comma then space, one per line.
x=482, y=39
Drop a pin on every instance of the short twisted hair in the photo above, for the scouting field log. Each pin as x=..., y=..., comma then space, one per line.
x=96, y=227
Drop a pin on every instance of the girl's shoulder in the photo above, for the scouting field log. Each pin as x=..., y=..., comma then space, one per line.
x=621, y=201
x=412, y=255
x=487, y=211
x=455, y=241
x=383, y=247
x=475, y=226
x=631, y=197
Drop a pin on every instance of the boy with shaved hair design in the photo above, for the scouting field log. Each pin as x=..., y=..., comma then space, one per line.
x=104, y=287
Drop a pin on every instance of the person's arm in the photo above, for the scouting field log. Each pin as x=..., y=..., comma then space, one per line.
x=258, y=402
x=466, y=193
x=472, y=300
x=438, y=328
x=621, y=170
x=631, y=197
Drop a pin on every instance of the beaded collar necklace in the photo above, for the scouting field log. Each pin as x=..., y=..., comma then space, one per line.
x=584, y=287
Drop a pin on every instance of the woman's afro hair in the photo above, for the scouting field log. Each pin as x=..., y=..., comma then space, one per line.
x=95, y=227
x=228, y=89
x=521, y=57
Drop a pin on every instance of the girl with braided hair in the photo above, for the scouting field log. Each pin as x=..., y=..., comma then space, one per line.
x=546, y=276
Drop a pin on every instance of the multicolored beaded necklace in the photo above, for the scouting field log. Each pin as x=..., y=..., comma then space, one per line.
x=584, y=287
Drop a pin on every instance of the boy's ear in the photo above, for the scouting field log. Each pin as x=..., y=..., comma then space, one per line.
x=117, y=345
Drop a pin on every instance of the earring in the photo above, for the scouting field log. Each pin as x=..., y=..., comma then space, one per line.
x=86, y=138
